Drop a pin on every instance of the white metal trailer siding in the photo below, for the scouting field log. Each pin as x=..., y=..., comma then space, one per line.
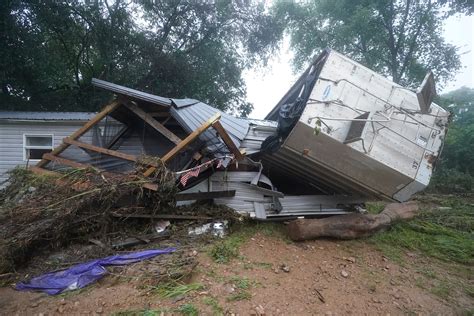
x=398, y=154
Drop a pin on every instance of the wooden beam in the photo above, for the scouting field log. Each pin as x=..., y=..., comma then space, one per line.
x=65, y=162
x=153, y=123
x=185, y=142
x=42, y=171
x=106, y=151
x=70, y=163
x=84, y=129
x=227, y=140
x=204, y=195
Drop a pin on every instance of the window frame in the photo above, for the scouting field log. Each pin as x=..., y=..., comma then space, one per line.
x=26, y=147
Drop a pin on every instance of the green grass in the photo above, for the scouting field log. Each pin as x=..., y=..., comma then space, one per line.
x=447, y=235
x=173, y=289
x=188, y=310
x=375, y=207
x=227, y=249
x=217, y=310
x=241, y=283
x=239, y=296
x=143, y=312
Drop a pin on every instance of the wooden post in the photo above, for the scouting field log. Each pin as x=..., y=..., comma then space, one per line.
x=227, y=140
x=84, y=129
x=185, y=142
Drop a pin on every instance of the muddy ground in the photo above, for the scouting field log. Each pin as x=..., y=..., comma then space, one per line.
x=273, y=276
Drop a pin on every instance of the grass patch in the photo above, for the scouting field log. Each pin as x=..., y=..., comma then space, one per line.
x=375, y=207
x=173, y=289
x=143, y=312
x=188, y=310
x=446, y=234
x=239, y=296
x=217, y=310
x=227, y=249
x=442, y=289
x=241, y=283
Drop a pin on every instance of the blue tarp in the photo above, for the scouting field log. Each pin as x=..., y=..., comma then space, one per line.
x=81, y=275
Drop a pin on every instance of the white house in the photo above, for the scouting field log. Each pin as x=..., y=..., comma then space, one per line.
x=26, y=136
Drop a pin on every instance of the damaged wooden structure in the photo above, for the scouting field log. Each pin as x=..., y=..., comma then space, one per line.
x=340, y=136
x=209, y=151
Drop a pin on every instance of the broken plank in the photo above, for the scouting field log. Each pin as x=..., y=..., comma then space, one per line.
x=227, y=140
x=204, y=195
x=185, y=142
x=81, y=131
x=133, y=241
x=153, y=123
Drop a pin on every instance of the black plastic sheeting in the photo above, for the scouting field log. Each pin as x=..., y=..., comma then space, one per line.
x=292, y=105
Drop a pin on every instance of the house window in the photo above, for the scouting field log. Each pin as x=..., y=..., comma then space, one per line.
x=34, y=146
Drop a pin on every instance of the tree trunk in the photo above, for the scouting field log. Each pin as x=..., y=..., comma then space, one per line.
x=351, y=226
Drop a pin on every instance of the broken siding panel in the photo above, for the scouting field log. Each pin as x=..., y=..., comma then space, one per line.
x=256, y=135
x=11, y=140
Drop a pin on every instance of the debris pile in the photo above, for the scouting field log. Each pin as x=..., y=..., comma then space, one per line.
x=52, y=210
x=340, y=136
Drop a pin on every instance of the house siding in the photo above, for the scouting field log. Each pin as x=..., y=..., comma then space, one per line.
x=11, y=141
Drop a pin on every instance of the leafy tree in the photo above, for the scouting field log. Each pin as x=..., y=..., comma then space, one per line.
x=455, y=171
x=399, y=38
x=174, y=48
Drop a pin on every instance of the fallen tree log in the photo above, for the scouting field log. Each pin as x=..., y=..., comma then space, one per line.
x=351, y=226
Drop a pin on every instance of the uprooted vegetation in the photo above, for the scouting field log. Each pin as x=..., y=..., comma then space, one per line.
x=47, y=212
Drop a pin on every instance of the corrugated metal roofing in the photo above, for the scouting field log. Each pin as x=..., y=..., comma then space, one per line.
x=46, y=116
x=192, y=116
x=132, y=93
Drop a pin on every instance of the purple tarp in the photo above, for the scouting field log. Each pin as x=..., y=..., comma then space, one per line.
x=81, y=275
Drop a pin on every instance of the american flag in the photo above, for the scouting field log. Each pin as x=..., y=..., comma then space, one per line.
x=194, y=172
x=191, y=173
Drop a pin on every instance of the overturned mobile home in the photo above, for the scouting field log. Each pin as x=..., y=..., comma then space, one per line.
x=341, y=135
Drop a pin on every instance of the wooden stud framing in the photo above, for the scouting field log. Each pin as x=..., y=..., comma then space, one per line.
x=185, y=142
x=105, y=151
x=153, y=123
x=84, y=129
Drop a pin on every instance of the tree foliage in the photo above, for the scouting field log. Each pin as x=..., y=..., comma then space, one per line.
x=399, y=38
x=455, y=172
x=174, y=48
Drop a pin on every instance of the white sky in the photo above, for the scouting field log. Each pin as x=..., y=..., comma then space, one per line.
x=267, y=85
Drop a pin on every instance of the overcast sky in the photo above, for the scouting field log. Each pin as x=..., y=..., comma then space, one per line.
x=266, y=86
